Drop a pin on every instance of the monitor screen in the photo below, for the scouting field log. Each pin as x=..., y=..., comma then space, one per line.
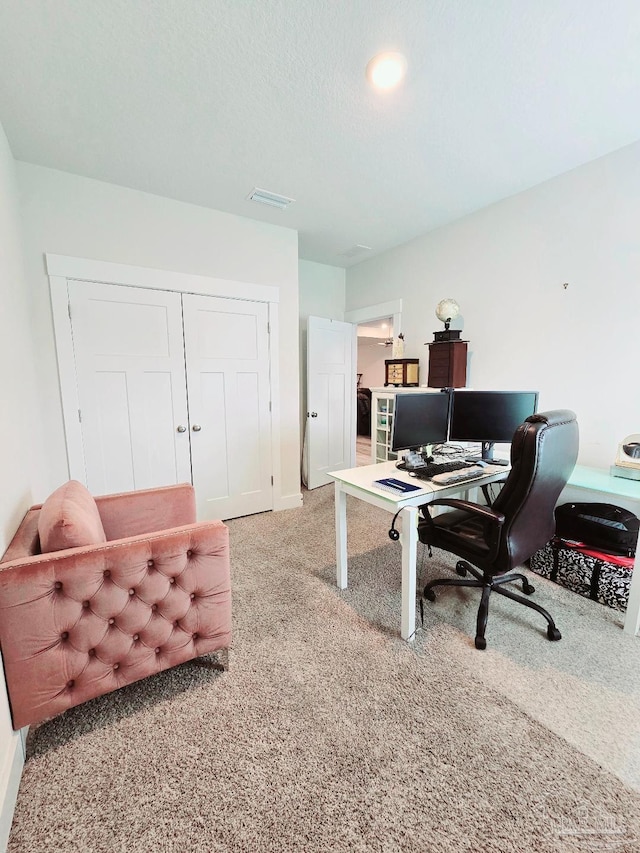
x=420, y=419
x=489, y=416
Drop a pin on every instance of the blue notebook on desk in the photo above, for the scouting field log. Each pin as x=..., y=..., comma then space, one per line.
x=398, y=487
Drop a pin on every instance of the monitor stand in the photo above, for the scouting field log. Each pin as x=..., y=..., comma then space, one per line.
x=487, y=455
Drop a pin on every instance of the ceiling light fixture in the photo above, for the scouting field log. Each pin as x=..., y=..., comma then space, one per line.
x=386, y=70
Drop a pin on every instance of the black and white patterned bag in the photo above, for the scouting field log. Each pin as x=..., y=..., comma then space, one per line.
x=585, y=573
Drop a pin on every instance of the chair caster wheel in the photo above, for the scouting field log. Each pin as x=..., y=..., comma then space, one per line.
x=461, y=570
x=528, y=589
x=553, y=633
x=430, y=595
x=481, y=643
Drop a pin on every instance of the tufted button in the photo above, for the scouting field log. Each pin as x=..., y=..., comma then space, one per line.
x=58, y=585
x=106, y=573
x=176, y=624
x=154, y=607
x=86, y=604
x=172, y=580
x=64, y=635
x=112, y=621
x=157, y=651
x=136, y=637
x=150, y=563
x=189, y=553
x=70, y=683
x=195, y=636
x=91, y=653
x=192, y=596
x=116, y=666
x=132, y=592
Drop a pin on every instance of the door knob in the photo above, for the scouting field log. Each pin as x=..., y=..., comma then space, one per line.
x=314, y=414
x=182, y=428
x=196, y=427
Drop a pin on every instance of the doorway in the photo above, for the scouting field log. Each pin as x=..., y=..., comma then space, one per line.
x=373, y=316
x=375, y=342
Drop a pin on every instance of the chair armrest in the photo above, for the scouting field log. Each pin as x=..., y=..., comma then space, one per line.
x=147, y=510
x=484, y=512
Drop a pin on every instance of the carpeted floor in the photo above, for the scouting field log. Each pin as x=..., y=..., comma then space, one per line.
x=331, y=734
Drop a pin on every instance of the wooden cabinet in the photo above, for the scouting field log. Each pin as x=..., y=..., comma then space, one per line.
x=447, y=364
x=401, y=371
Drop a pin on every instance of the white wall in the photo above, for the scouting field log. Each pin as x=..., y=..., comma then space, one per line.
x=506, y=265
x=322, y=291
x=20, y=437
x=371, y=358
x=70, y=215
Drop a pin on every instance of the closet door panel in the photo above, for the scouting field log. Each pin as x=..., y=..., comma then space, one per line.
x=227, y=354
x=129, y=353
x=212, y=452
x=106, y=434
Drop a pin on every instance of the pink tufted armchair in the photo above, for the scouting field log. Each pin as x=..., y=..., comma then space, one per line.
x=85, y=620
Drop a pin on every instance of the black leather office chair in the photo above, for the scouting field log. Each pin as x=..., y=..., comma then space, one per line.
x=494, y=540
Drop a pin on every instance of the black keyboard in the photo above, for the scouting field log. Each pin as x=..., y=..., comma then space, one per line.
x=433, y=468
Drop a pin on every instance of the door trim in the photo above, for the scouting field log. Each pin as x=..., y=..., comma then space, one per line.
x=60, y=268
x=107, y=272
x=377, y=312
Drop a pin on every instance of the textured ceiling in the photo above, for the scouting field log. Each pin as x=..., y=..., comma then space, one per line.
x=201, y=100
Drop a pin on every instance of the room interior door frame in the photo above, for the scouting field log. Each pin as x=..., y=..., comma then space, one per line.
x=381, y=311
x=61, y=268
x=370, y=314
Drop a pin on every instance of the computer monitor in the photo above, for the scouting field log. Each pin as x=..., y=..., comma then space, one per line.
x=419, y=419
x=489, y=416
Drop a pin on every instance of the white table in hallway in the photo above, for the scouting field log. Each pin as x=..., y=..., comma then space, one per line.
x=359, y=482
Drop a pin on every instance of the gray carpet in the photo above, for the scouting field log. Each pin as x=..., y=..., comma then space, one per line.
x=331, y=734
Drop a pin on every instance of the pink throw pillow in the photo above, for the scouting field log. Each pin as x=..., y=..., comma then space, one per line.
x=69, y=518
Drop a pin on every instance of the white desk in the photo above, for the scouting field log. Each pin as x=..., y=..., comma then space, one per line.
x=596, y=484
x=358, y=482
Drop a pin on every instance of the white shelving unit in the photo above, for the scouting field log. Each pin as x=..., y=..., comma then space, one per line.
x=382, y=410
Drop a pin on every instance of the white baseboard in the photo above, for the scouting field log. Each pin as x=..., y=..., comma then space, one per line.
x=9, y=784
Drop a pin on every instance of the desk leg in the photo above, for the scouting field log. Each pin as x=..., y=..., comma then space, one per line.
x=409, y=540
x=341, y=537
x=632, y=617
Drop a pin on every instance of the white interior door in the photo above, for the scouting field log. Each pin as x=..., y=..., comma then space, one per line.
x=130, y=373
x=331, y=395
x=227, y=354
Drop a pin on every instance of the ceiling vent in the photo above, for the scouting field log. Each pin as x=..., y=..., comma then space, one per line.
x=272, y=199
x=358, y=249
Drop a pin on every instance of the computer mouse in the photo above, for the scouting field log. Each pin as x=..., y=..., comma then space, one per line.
x=412, y=474
x=481, y=463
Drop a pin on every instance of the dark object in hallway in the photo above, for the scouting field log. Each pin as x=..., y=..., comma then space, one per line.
x=364, y=411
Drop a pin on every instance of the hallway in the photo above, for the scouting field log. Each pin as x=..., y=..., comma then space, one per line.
x=363, y=450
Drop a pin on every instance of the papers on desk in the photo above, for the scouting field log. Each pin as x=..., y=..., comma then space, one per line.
x=396, y=487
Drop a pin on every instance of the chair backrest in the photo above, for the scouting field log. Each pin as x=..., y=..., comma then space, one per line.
x=543, y=453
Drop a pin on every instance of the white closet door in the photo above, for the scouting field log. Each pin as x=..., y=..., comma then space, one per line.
x=227, y=354
x=129, y=354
